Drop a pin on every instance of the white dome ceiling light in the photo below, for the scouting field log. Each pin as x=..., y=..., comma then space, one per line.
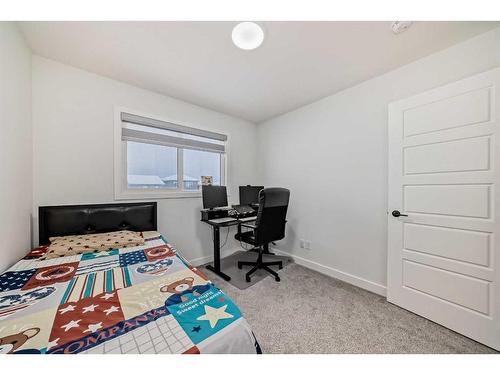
x=247, y=35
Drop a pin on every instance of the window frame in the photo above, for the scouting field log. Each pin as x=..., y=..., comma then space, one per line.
x=121, y=189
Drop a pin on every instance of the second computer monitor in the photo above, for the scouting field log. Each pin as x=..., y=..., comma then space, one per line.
x=250, y=194
x=214, y=196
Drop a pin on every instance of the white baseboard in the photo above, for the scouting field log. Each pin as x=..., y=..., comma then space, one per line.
x=206, y=259
x=332, y=272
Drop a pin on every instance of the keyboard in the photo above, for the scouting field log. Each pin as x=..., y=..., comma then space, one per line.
x=243, y=209
x=222, y=220
x=245, y=219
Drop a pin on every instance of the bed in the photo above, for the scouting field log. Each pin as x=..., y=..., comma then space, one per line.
x=141, y=298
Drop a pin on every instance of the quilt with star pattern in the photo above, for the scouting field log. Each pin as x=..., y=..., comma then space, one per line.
x=144, y=299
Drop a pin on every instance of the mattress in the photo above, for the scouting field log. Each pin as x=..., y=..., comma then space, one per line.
x=144, y=299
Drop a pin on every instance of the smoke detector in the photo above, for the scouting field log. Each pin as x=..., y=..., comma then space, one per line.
x=399, y=27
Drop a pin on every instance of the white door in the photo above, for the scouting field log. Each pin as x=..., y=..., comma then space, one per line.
x=443, y=258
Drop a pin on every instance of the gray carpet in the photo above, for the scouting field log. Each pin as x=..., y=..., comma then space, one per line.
x=308, y=312
x=229, y=265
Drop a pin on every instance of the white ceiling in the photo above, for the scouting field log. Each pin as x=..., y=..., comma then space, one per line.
x=298, y=62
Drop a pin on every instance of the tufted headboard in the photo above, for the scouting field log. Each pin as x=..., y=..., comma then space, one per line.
x=95, y=218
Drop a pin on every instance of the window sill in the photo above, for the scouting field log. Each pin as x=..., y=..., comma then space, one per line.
x=131, y=194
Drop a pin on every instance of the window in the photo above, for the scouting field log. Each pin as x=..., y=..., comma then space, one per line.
x=156, y=159
x=151, y=166
x=201, y=163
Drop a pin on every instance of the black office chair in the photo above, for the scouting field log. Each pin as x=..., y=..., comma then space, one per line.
x=268, y=227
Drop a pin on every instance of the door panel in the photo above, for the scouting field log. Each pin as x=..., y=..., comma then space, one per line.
x=464, y=291
x=473, y=270
x=463, y=245
x=449, y=112
x=443, y=258
x=449, y=156
x=457, y=200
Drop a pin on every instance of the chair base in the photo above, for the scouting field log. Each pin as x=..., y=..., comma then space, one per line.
x=259, y=264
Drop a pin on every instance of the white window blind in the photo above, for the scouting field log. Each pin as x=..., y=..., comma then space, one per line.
x=147, y=130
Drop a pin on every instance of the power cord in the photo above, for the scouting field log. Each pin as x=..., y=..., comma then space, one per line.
x=244, y=247
x=225, y=241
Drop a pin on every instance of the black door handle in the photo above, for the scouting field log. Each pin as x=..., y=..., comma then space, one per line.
x=396, y=213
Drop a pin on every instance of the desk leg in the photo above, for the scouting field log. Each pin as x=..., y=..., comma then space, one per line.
x=216, y=267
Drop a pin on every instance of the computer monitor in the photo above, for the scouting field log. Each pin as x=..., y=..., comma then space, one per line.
x=250, y=194
x=214, y=196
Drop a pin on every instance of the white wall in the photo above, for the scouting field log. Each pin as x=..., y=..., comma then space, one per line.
x=332, y=154
x=15, y=145
x=73, y=147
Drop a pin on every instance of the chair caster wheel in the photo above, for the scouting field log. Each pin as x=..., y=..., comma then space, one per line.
x=247, y=279
x=277, y=279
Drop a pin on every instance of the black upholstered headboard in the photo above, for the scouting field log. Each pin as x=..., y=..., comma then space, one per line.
x=94, y=218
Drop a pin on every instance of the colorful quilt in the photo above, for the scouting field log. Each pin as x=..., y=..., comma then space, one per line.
x=144, y=299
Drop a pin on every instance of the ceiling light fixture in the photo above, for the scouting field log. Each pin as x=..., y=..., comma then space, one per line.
x=247, y=35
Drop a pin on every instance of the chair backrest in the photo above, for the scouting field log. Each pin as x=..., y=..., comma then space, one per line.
x=271, y=217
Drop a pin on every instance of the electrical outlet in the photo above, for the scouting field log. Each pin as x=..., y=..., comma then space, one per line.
x=305, y=244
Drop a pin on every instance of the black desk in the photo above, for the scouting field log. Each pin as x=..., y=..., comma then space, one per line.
x=216, y=228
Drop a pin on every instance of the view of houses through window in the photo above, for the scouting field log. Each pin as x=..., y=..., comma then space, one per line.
x=156, y=166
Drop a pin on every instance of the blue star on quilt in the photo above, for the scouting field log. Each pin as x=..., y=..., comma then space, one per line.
x=196, y=329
